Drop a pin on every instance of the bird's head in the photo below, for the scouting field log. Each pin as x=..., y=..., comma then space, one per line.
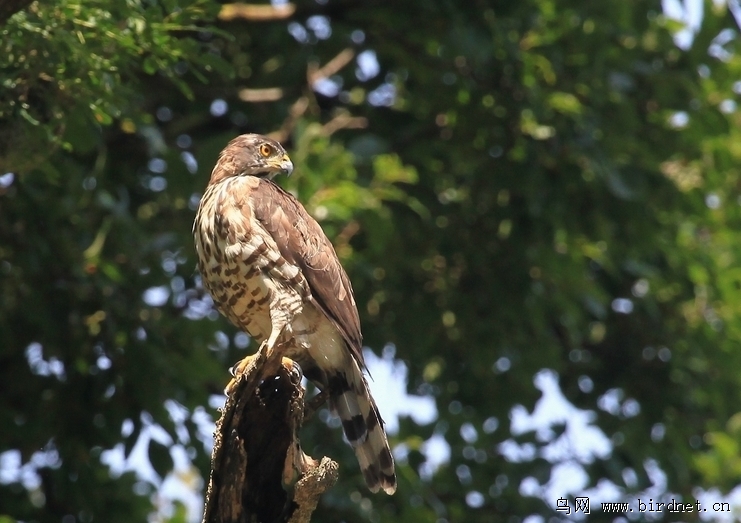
x=252, y=155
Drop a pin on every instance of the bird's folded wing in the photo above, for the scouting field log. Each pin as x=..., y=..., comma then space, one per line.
x=302, y=242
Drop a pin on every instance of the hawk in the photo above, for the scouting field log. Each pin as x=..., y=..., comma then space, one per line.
x=273, y=272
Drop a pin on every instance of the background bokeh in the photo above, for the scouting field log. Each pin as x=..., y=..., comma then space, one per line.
x=538, y=203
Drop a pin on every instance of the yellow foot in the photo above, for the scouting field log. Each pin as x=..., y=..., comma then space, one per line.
x=242, y=366
x=237, y=370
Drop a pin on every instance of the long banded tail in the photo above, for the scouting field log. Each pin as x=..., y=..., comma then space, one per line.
x=363, y=426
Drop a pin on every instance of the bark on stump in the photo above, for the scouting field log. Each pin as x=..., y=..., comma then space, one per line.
x=259, y=474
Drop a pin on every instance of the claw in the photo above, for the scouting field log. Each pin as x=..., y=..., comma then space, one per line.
x=237, y=370
x=230, y=386
x=293, y=369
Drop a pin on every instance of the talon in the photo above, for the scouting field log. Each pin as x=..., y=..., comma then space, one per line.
x=297, y=372
x=229, y=387
x=293, y=369
x=237, y=370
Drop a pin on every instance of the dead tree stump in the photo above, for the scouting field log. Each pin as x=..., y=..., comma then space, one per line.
x=259, y=474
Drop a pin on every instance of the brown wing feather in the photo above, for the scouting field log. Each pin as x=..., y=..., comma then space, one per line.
x=302, y=242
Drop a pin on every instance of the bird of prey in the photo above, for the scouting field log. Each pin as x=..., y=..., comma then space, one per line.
x=273, y=272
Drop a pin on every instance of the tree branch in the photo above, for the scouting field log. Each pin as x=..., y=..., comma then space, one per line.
x=256, y=12
x=257, y=458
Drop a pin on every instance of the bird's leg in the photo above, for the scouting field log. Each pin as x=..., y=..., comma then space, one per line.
x=280, y=335
x=281, y=331
x=246, y=366
x=265, y=360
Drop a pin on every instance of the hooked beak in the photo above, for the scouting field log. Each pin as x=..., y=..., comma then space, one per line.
x=283, y=165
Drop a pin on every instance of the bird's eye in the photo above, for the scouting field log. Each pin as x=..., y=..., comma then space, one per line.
x=266, y=150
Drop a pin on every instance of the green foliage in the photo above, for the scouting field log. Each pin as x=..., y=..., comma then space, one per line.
x=536, y=162
x=85, y=58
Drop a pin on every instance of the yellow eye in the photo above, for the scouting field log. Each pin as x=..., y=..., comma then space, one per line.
x=266, y=150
